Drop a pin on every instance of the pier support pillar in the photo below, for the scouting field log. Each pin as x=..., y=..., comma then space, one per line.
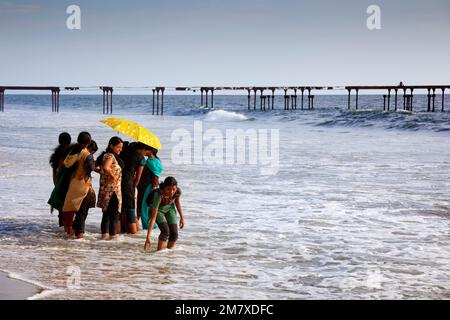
x=349, y=96
x=434, y=99
x=396, y=93
x=295, y=98
x=107, y=100
x=248, y=98
x=408, y=102
x=357, y=98
x=384, y=103
x=443, y=97
x=303, y=90
x=55, y=100
x=212, y=98
x=412, y=99
x=311, y=101
x=162, y=101
x=285, y=100
x=404, y=99
x=2, y=100
x=201, y=97
x=261, y=98
x=389, y=100
x=153, y=104
x=429, y=100
x=273, y=99
x=157, y=101
x=309, y=98
x=159, y=105
x=255, y=91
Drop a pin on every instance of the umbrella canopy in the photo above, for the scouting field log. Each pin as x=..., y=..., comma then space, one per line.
x=134, y=131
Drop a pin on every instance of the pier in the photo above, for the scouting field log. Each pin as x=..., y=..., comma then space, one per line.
x=408, y=95
x=54, y=91
x=257, y=97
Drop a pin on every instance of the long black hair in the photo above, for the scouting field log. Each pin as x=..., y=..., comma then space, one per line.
x=60, y=151
x=130, y=148
x=83, y=140
x=114, y=141
x=152, y=150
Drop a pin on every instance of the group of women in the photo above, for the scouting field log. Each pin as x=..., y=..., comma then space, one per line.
x=123, y=168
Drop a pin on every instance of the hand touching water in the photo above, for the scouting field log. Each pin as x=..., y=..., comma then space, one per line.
x=147, y=245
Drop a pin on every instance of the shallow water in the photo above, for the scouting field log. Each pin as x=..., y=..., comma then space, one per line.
x=359, y=208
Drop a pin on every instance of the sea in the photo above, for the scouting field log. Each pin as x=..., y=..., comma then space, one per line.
x=355, y=204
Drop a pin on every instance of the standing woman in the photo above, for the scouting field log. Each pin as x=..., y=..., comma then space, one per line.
x=80, y=185
x=61, y=178
x=148, y=181
x=59, y=155
x=110, y=194
x=132, y=158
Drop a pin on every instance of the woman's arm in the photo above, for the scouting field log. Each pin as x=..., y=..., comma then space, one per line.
x=107, y=168
x=138, y=175
x=180, y=212
x=155, y=183
x=150, y=228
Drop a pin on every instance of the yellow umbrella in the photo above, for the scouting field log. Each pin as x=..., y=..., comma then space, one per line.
x=134, y=131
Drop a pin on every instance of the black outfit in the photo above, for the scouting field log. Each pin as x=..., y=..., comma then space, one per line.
x=110, y=216
x=81, y=215
x=88, y=201
x=131, y=164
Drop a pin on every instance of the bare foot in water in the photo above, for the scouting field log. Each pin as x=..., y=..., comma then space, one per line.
x=105, y=236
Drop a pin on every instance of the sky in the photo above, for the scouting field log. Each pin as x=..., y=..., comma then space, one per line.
x=138, y=43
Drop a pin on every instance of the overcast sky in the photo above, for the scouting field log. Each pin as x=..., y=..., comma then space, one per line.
x=217, y=42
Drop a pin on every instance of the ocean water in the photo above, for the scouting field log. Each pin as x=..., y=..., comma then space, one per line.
x=359, y=206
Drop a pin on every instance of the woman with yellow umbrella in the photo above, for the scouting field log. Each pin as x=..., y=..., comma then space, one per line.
x=145, y=176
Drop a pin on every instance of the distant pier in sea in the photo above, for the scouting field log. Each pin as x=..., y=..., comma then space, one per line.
x=301, y=97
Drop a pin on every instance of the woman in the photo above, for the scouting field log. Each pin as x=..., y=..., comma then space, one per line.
x=59, y=155
x=60, y=182
x=132, y=158
x=80, y=192
x=110, y=194
x=148, y=181
x=165, y=202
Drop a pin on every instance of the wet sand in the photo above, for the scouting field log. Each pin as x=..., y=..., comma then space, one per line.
x=11, y=289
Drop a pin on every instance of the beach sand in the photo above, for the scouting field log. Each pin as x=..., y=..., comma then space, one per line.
x=11, y=289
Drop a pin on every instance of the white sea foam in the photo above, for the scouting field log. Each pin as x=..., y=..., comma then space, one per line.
x=222, y=115
x=351, y=211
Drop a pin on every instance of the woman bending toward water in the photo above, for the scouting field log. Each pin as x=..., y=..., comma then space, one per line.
x=164, y=203
x=110, y=193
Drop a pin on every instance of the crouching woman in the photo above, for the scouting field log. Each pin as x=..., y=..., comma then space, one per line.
x=164, y=203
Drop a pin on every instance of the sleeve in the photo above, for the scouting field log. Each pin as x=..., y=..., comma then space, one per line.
x=156, y=200
x=107, y=156
x=143, y=162
x=90, y=164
